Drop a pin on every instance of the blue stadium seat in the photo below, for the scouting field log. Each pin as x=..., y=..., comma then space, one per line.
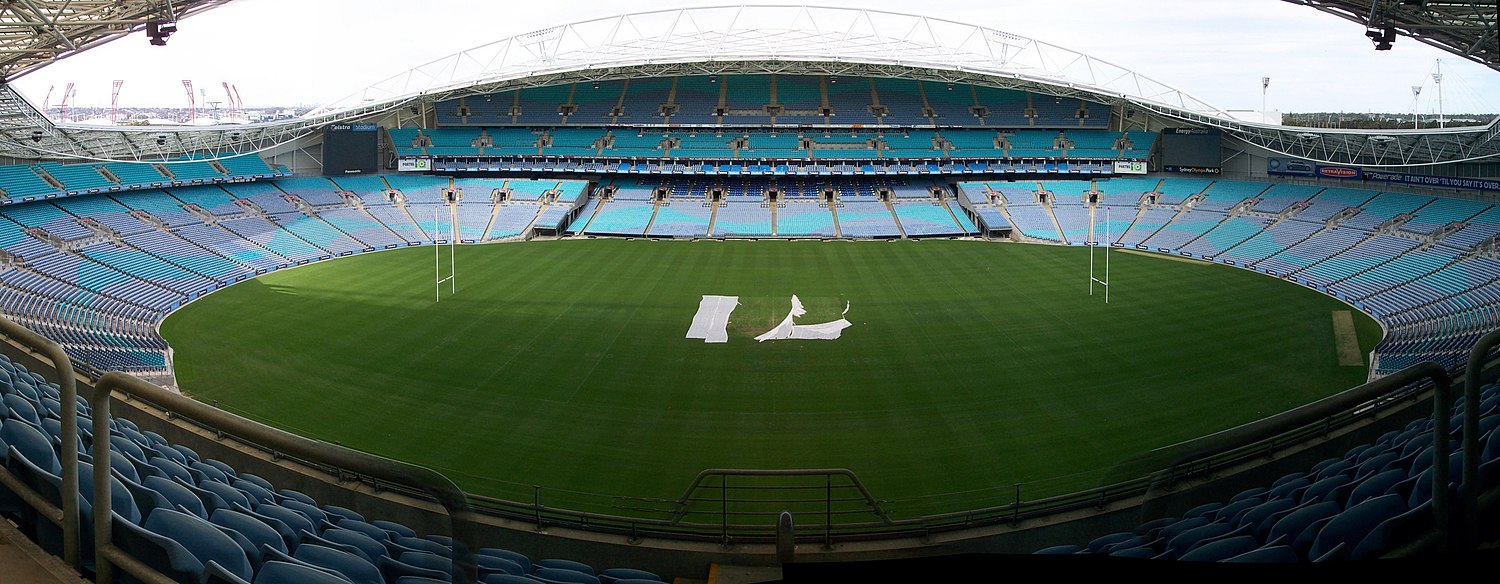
x=393, y=569
x=351, y=566
x=1351, y=526
x=254, y=530
x=1221, y=549
x=286, y=573
x=563, y=576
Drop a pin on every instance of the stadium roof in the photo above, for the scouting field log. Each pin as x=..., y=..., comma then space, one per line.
x=771, y=39
x=34, y=33
x=747, y=40
x=1466, y=28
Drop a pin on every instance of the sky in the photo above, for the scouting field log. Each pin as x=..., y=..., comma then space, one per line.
x=302, y=52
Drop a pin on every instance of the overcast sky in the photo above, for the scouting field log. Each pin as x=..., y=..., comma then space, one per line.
x=288, y=52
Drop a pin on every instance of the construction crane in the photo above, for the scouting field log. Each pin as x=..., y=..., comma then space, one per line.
x=114, y=102
x=62, y=108
x=192, y=101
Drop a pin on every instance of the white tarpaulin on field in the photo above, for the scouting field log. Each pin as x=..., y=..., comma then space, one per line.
x=712, y=318
x=789, y=330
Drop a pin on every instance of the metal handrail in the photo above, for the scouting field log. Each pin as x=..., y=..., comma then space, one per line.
x=460, y=515
x=68, y=459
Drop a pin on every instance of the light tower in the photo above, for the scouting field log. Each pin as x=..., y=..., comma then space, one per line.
x=1265, y=82
x=1415, y=91
x=1437, y=78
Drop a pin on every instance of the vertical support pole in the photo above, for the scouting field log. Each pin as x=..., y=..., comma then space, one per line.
x=453, y=251
x=1107, y=247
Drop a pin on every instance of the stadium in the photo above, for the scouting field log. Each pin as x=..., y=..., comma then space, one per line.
x=740, y=294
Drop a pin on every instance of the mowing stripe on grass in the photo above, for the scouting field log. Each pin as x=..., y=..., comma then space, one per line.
x=1346, y=340
x=971, y=367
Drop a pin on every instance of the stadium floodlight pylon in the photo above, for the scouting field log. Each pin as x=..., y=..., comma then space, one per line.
x=1093, y=246
x=437, y=251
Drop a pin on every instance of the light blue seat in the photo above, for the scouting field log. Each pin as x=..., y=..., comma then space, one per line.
x=563, y=576
x=395, y=528
x=1101, y=543
x=208, y=471
x=373, y=531
x=262, y=483
x=1375, y=486
x=312, y=512
x=353, y=567
x=213, y=573
x=199, y=538
x=255, y=491
x=279, y=572
x=508, y=579
x=617, y=574
x=429, y=561
x=22, y=409
x=159, y=552
x=421, y=544
x=288, y=536
x=1272, y=554
x=1190, y=538
x=1293, y=524
x=372, y=549
x=224, y=468
x=394, y=569
x=567, y=565
x=343, y=512
x=1355, y=523
x=1392, y=532
x=517, y=557
x=178, y=495
x=1221, y=549
x=229, y=497
x=309, y=538
x=254, y=530
x=295, y=521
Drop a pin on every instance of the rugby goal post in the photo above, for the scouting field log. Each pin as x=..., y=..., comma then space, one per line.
x=1093, y=247
x=437, y=253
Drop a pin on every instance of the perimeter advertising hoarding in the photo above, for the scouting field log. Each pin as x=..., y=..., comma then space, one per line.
x=1130, y=167
x=1451, y=182
x=414, y=165
x=1290, y=167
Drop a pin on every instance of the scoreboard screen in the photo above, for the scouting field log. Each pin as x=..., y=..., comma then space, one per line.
x=350, y=149
x=1193, y=150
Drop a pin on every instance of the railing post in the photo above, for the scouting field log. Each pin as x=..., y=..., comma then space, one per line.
x=1469, y=505
x=68, y=459
x=786, y=538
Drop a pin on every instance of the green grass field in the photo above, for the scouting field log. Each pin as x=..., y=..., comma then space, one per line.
x=970, y=367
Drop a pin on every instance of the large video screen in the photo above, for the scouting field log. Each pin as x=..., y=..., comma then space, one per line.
x=1194, y=150
x=350, y=149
